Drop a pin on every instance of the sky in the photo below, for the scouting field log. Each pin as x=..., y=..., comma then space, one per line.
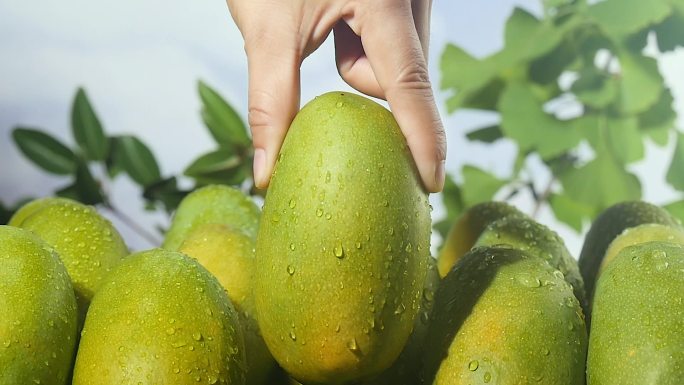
x=140, y=63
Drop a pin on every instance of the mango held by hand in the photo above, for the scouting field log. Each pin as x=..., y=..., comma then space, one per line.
x=343, y=241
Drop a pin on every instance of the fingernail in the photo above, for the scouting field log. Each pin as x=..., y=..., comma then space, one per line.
x=258, y=167
x=439, y=176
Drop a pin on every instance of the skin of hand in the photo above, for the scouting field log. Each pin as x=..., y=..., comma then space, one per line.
x=380, y=50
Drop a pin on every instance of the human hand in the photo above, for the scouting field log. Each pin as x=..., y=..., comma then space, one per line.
x=380, y=47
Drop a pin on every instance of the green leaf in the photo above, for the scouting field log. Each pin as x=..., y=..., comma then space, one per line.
x=84, y=189
x=114, y=163
x=601, y=183
x=219, y=166
x=659, y=136
x=547, y=68
x=661, y=115
x=524, y=120
x=625, y=140
x=137, y=160
x=465, y=75
x=676, y=209
x=527, y=37
x=570, y=212
x=479, y=185
x=488, y=134
x=453, y=202
x=166, y=192
x=641, y=84
x=675, y=174
x=87, y=129
x=671, y=32
x=45, y=151
x=595, y=88
x=619, y=18
x=224, y=123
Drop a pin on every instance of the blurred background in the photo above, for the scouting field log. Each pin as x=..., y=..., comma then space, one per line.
x=560, y=107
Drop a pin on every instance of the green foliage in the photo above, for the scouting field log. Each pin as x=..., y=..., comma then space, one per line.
x=587, y=55
x=127, y=154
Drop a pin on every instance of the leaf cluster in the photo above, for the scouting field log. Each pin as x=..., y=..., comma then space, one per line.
x=576, y=88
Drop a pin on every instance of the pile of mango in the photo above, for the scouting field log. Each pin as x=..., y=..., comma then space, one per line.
x=333, y=283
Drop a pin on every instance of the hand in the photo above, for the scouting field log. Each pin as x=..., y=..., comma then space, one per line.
x=381, y=49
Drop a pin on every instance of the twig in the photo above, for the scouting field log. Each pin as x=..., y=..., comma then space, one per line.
x=149, y=237
x=543, y=197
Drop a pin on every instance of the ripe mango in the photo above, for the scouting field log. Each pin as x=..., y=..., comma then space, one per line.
x=538, y=240
x=87, y=243
x=229, y=255
x=37, y=312
x=637, y=329
x=467, y=229
x=342, y=244
x=160, y=318
x=212, y=204
x=502, y=316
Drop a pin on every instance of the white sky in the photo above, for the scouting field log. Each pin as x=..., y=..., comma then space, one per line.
x=140, y=62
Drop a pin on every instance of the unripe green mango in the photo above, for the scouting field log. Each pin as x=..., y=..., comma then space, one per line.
x=608, y=225
x=342, y=243
x=538, y=240
x=648, y=232
x=37, y=312
x=160, y=318
x=406, y=369
x=637, y=329
x=32, y=207
x=467, y=229
x=229, y=255
x=502, y=316
x=212, y=204
x=87, y=243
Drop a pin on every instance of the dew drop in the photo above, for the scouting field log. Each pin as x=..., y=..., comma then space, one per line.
x=293, y=204
x=487, y=377
x=353, y=346
x=290, y=269
x=319, y=212
x=197, y=336
x=473, y=365
x=408, y=247
x=358, y=245
x=339, y=104
x=328, y=216
x=528, y=280
x=293, y=337
x=292, y=246
x=338, y=250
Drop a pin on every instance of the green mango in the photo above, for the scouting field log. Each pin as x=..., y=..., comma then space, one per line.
x=608, y=225
x=37, y=312
x=342, y=245
x=502, y=316
x=641, y=234
x=467, y=229
x=160, y=318
x=212, y=204
x=229, y=255
x=538, y=240
x=406, y=369
x=31, y=208
x=87, y=243
x=637, y=329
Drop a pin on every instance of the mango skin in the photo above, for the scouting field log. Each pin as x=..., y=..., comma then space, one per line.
x=467, y=229
x=504, y=317
x=406, y=369
x=638, y=318
x=641, y=234
x=538, y=240
x=31, y=208
x=212, y=204
x=608, y=225
x=229, y=255
x=37, y=312
x=87, y=243
x=342, y=244
x=160, y=318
